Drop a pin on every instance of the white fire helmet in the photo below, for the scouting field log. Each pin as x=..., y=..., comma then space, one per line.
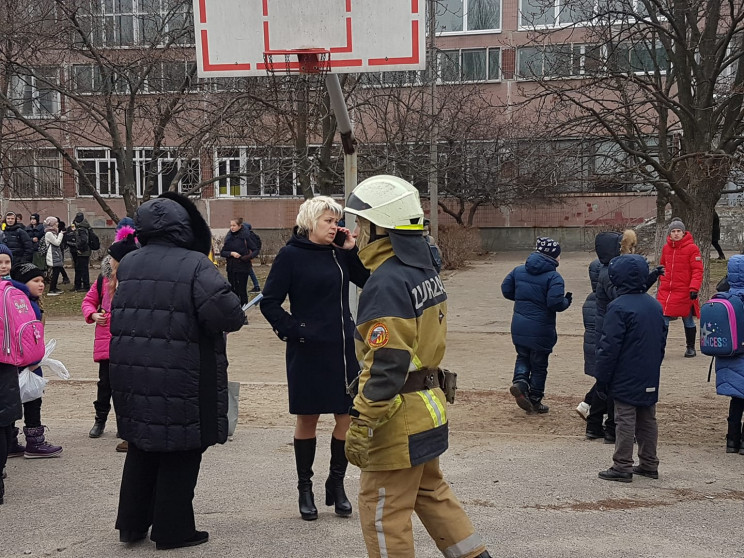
x=387, y=201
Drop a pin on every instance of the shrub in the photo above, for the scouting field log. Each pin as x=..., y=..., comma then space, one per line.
x=458, y=245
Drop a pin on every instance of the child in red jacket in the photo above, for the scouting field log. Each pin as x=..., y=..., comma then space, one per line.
x=678, y=288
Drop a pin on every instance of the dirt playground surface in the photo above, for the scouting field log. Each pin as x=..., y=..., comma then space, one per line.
x=479, y=349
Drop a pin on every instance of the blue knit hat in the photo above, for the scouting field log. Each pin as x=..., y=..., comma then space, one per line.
x=548, y=246
x=5, y=250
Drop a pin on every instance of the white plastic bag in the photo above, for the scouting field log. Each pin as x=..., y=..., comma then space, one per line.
x=233, y=396
x=31, y=385
x=51, y=364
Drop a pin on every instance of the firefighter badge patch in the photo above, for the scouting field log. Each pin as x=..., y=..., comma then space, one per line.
x=378, y=336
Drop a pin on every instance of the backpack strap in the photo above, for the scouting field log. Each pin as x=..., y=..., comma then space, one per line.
x=710, y=368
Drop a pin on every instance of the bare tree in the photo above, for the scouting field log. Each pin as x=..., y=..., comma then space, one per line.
x=656, y=85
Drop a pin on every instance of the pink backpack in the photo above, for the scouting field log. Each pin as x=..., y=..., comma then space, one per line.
x=21, y=334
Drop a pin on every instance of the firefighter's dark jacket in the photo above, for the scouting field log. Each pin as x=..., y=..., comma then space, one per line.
x=402, y=326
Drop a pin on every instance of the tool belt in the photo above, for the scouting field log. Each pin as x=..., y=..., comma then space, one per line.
x=428, y=378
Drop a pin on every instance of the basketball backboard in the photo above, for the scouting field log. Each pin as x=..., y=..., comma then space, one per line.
x=234, y=37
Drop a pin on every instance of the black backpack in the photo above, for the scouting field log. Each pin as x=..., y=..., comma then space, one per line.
x=257, y=241
x=93, y=241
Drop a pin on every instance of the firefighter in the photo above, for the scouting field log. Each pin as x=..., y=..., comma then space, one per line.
x=399, y=416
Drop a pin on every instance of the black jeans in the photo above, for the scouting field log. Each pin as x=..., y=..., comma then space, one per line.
x=82, y=279
x=102, y=403
x=157, y=488
x=600, y=408
x=6, y=435
x=239, y=282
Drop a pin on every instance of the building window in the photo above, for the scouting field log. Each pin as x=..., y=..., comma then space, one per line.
x=462, y=16
x=164, y=77
x=101, y=168
x=468, y=65
x=553, y=61
x=34, y=173
x=551, y=13
x=34, y=93
x=128, y=23
x=249, y=171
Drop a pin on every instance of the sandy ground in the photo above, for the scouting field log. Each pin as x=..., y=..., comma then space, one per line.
x=528, y=482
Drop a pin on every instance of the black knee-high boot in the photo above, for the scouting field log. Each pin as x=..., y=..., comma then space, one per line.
x=334, y=485
x=304, y=457
x=691, y=339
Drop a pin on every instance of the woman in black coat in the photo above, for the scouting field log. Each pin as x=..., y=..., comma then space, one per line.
x=11, y=410
x=314, y=270
x=239, y=249
x=168, y=369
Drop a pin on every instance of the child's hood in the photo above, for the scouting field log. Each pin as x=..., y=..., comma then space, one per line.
x=629, y=273
x=736, y=273
x=607, y=246
x=538, y=264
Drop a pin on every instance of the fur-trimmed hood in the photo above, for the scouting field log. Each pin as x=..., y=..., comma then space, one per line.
x=173, y=219
x=628, y=242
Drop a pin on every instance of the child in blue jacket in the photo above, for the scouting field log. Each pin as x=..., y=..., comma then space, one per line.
x=730, y=370
x=537, y=290
x=628, y=366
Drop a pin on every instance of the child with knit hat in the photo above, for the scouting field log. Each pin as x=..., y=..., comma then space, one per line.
x=96, y=308
x=537, y=291
x=30, y=279
x=678, y=288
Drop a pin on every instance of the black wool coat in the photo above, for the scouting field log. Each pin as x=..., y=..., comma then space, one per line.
x=242, y=243
x=10, y=396
x=318, y=329
x=168, y=352
x=20, y=244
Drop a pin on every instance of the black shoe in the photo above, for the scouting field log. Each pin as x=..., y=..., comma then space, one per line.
x=200, y=537
x=521, y=398
x=97, y=429
x=539, y=407
x=613, y=475
x=690, y=352
x=594, y=434
x=256, y=290
x=131, y=536
x=732, y=446
x=609, y=438
x=644, y=473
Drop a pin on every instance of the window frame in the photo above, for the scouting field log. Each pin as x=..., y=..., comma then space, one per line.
x=464, y=18
x=35, y=173
x=30, y=81
x=488, y=52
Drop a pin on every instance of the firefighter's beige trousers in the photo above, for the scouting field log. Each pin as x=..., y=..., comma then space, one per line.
x=387, y=499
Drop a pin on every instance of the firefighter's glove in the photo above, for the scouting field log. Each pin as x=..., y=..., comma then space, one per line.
x=357, y=443
x=693, y=295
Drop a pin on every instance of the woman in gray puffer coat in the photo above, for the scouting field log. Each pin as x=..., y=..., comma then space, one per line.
x=168, y=369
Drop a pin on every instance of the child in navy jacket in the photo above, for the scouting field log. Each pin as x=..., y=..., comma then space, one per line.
x=629, y=354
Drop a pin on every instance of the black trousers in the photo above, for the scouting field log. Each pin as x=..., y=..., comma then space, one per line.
x=736, y=411
x=102, y=404
x=32, y=413
x=82, y=278
x=6, y=435
x=601, y=407
x=239, y=283
x=717, y=246
x=157, y=489
x=55, y=277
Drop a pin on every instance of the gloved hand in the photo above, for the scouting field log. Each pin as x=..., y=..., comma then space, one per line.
x=569, y=297
x=659, y=269
x=357, y=443
x=601, y=392
x=693, y=295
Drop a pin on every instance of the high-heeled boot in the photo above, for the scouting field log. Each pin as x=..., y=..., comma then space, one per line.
x=334, y=485
x=304, y=457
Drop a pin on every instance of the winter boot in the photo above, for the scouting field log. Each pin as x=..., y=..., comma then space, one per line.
x=36, y=445
x=335, y=483
x=691, y=339
x=98, y=427
x=15, y=449
x=304, y=457
x=538, y=406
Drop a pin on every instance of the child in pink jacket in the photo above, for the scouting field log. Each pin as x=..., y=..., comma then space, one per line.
x=96, y=309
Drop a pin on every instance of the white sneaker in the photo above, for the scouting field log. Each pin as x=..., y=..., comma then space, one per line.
x=583, y=410
x=54, y=293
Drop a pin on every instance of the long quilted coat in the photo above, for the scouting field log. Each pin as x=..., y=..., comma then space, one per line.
x=683, y=267
x=168, y=319
x=588, y=314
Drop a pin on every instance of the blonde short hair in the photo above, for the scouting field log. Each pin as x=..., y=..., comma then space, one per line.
x=311, y=211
